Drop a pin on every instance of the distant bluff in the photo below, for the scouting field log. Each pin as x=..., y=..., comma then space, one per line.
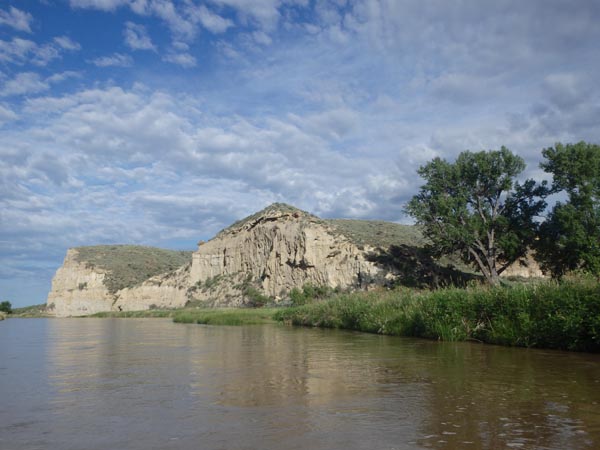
x=262, y=256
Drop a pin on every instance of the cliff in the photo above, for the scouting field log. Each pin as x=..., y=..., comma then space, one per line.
x=113, y=278
x=257, y=259
x=273, y=251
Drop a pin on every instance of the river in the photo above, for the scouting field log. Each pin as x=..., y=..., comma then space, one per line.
x=152, y=384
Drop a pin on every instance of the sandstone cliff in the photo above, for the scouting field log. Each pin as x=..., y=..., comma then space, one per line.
x=78, y=289
x=117, y=278
x=257, y=259
x=273, y=251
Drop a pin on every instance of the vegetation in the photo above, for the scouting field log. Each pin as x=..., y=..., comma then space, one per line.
x=31, y=311
x=240, y=316
x=310, y=293
x=377, y=233
x=547, y=315
x=570, y=237
x=130, y=265
x=474, y=208
x=149, y=313
x=6, y=307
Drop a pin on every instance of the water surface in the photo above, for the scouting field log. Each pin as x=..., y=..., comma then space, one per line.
x=152, y=384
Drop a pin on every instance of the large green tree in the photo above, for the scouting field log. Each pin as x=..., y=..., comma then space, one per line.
x=476, y=209
x=570, y=237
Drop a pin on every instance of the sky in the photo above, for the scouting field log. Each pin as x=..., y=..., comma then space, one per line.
x=160, y=122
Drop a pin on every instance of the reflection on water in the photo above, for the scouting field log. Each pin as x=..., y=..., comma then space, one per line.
x=151, y=384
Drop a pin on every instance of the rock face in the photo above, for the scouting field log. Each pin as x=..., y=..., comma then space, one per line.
x=273, y=251
x=77, y=289
x=262, y=257
x=163, y=291
x=81, y=288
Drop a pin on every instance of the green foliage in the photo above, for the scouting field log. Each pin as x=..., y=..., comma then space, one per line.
x=254, y=296
x=310, y=293
x=130, y=265
x=570, y=237
x=546, y=315
x=6, y=307
x=246, y=316
x=475, y=208
x=377, y=233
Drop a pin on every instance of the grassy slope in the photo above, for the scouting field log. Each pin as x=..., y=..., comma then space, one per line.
x=129, y=265
x=377, y=233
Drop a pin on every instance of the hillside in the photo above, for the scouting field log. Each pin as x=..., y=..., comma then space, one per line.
x=130, y=265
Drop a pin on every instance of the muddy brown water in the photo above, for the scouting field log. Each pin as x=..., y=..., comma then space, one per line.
x=151, y=384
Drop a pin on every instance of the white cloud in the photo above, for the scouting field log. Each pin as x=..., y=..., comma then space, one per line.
x=67, y=43
x=265, y=13
x=182, y=59
x=114, y=60
x=21, y=51
x=31, y=83
x=209, y=20
x=104, y=5
x=24, y=83
x=7, y=114
x=17, y=19
x=137, y=38
x=16, y=51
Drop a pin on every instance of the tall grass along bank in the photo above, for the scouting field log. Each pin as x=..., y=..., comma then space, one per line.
x=229, y=316
x=546, y=315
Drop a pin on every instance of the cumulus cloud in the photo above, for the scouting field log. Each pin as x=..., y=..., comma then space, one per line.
x=209, y=20
x=103, y=5
x=114, y=60
x=22, y=51
x=182, y=59
x=137, y=38
x=17, y=19
x=67, y=43
x=24, y=83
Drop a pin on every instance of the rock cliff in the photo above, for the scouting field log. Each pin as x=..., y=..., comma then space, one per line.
x=78, y=289
x=118, y=278
x=273, y=251
x=257, y=259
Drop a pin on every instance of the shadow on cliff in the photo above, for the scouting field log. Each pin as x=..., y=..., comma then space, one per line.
x=416, y=267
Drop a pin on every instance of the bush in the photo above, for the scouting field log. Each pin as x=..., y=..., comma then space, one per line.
x=6, y=307
x=547, y=315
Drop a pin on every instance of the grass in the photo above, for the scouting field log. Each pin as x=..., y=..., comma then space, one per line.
x=546, y=315
x=30, y=311
x=149, y=313
x=129, y=265
x=230, y=316
x=379, y=234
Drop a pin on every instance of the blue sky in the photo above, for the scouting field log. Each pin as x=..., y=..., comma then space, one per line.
x=159, y=122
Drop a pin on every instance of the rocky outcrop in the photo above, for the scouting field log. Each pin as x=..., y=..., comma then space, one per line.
x=273, y=251
x=260, y=258
x=162, y=291
x=89, y=279
x=78, y=289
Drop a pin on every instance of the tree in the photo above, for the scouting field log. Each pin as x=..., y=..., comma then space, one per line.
x=474, y=208
x=6, y=307
x=570, y=237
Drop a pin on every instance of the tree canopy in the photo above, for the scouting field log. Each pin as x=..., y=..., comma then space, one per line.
x=475, y=208
x=6, y=307
x=570, y=237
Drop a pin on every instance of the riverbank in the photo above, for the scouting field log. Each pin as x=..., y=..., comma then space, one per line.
x=545, y=315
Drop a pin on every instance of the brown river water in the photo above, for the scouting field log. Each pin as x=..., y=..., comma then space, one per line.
x=152, y=384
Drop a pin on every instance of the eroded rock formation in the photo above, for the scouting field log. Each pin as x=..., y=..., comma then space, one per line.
x=260, y=258
x=273, y=251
